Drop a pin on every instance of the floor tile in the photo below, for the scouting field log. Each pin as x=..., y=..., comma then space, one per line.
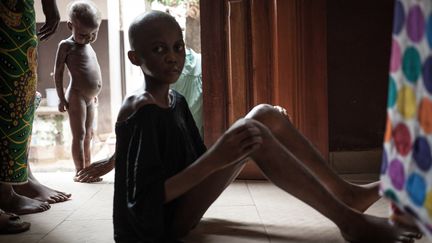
x=97, y=207
x=247, y=212
x=83, y=231
x=237, y=194
x=21, y=238
x=229, y=224
x=288, y=219
x=62, y=181
x=43, y=223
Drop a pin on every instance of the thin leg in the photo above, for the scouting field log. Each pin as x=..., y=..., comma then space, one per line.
x=282, y=168
x=288, y=173
x=89, y=132
x=357, y=197
x=77, y=117
x=201, y=197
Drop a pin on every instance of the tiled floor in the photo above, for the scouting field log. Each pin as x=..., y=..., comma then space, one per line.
x=248, y=211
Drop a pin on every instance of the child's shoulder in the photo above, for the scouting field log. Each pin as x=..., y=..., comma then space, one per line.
x=133, y=103
x=65, y=44
x=67, y=41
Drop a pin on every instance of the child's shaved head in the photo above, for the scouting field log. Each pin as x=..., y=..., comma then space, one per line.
x=85, y=12
x=146, y=22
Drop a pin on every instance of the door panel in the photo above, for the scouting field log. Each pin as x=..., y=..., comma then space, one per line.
x=237, y=55
x=260, y=51
x=300, y=57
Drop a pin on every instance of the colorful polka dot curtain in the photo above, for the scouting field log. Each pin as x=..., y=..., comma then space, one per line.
x=406, y=172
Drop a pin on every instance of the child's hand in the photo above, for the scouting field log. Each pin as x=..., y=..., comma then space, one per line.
x=237, y=142
x=63, y=106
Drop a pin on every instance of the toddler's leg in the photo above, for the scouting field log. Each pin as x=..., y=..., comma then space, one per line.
x=89, y=132
x=357, y=197
x=77, y=119
x=91, y=109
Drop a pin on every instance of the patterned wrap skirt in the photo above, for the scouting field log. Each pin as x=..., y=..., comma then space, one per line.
x=406, y=172
x=18, y=78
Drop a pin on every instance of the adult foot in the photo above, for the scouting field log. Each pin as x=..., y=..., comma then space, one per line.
x=11, y=223
x=35, y=190
x=12, y=202
x=368, y=228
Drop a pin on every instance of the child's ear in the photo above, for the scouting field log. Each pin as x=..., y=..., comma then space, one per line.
x=133, y=57
x=69, y=25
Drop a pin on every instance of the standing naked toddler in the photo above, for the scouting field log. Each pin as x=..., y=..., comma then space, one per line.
x=85, y=78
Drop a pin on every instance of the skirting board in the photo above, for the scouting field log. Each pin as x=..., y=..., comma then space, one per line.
x=356, y=162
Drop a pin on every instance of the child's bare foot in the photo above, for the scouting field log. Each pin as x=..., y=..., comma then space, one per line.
x=361, y=197
x=374, y=229
x=403, y=220
x=33, y=189
x=12, y=202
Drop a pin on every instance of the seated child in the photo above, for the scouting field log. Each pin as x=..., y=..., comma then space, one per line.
x=166, y=179
x=85, y=78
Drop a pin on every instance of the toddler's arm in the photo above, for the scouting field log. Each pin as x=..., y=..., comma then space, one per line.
x=58, y=74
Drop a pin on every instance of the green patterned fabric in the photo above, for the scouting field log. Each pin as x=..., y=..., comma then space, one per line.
x=189, y=85
x=18, y=43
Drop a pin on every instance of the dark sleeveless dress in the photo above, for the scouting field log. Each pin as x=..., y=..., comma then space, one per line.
x=152, y=145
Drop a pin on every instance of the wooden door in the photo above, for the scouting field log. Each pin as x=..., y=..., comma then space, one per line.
x=260, y=51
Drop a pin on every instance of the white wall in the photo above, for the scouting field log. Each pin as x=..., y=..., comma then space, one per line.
x=62, y=7
x=114, y=57
x=134, y=77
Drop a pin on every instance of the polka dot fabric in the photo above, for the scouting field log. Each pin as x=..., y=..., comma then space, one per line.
x=406, y=172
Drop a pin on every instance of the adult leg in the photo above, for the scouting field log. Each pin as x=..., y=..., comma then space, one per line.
x=35, y=190
x=77, y=117
x=281, y=167
x=357, y=197
x=17, y=91
x=12, y=202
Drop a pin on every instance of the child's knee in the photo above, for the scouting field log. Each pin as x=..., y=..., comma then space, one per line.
x=261, y=110
x=79, y=136
x=89, y=135
x=271, y=116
